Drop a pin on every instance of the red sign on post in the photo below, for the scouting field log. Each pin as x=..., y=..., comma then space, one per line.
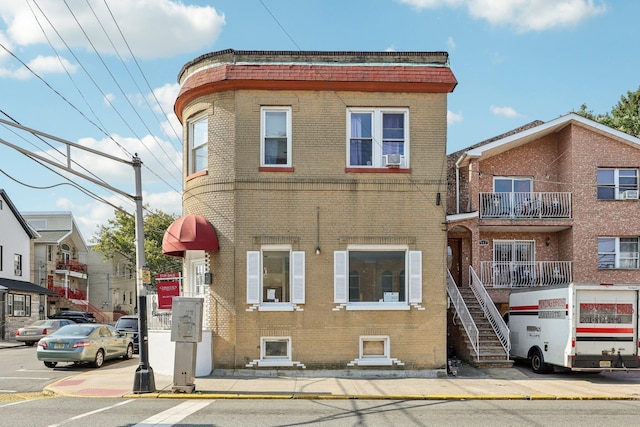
x=166, y=291
x=168, y=285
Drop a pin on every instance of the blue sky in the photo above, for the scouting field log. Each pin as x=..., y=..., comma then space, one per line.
x=515, y=61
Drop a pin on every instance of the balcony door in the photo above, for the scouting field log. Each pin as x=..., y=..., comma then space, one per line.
x=514, y=262
x=513, y=192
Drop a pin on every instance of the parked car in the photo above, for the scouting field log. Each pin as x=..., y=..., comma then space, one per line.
x=129, y=325
x=76, y=316
x=84, y=342
x=31, y=334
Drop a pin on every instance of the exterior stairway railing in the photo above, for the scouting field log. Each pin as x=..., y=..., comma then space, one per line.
x=490, y=311
x=463, y=314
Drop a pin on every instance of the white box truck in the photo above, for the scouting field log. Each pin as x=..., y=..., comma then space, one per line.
x=579, y=327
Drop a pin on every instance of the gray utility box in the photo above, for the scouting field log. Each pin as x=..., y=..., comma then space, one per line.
x=186, y=332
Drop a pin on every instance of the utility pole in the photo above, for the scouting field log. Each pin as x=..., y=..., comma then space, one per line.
x=144, y=381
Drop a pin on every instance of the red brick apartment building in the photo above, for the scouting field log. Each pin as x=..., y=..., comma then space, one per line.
x=545, y=204
x=323, y=176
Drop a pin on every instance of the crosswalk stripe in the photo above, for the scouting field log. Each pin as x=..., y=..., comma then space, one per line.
x=174, y=415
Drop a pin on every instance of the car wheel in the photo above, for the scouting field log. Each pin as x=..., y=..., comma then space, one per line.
x=99, y=360
x=537, y=363
x=50, y=364
x=129, y=353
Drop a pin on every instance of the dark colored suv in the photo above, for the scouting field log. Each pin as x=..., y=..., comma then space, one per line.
x=76, y=316
x=129, y=325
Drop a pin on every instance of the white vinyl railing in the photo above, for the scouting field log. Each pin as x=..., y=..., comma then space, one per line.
x=525, y=205
x=463, y=314
x=522, y=274
x=490, y=311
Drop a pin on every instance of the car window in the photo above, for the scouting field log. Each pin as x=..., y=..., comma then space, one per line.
x=127, y=323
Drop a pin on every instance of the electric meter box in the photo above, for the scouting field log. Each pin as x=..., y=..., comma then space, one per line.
x=186, y=319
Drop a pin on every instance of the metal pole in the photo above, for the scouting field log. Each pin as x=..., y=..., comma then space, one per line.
x=144, y=381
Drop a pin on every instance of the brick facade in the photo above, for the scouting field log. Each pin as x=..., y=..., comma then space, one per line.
x=320, y=202
x=560, y=156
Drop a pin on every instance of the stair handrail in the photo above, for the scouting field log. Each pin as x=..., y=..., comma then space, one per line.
x=464, y=315
x=490, y=311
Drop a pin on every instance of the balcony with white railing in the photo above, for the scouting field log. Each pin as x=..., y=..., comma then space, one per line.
x=528, y=205
x=523, y=274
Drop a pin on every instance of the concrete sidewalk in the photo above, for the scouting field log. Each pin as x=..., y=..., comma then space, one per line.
x=116, y=380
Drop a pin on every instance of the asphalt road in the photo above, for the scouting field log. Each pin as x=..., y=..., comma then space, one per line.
x=22, y=372
x=68, y=411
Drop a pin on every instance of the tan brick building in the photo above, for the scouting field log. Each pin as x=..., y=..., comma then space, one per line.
x=548, y=203
x=323, y=175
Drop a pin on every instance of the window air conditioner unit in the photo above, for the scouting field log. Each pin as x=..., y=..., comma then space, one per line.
x=630, y=194
x=391, y=159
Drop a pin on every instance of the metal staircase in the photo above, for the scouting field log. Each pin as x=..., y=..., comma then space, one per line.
x=484, y=334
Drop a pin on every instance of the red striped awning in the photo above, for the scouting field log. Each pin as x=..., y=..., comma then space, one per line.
x=189, y=233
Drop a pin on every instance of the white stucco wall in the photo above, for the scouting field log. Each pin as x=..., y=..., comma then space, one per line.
x=162, y=353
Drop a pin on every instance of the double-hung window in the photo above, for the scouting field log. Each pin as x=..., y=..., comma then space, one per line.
x=17, y=264
x=377, y=137
x=276, y=277
x=377, y=277
x=198, y=138
x=617, y=184
x=275, y=136
x=618, y=252
x=18, y=305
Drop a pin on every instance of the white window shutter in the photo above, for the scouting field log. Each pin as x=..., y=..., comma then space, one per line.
x=340, y=276
x=298, y=288
x=415, y=276
x=253, y=277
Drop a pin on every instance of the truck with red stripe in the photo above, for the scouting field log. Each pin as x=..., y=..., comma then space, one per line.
x=581, y=327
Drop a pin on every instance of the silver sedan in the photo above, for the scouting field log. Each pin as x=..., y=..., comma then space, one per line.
x=84, y=342
x=31, y=334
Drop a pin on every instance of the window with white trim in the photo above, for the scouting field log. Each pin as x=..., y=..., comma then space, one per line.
x=18, y=305
x=373, y=134
x=369, y=277
x=275, y=136
x=616, y=184
x=17, y=264
x=374, y=347
x=276, y=277
x=198, y=139
x=275, y=348
x=618, y=252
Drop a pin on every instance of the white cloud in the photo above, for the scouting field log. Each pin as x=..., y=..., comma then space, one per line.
x=153, y=29
x=523, y=15
x=453, y=118
x=504, y=111
x=161, y=161
x=109, y=98
x=40, y=65
x=451, y=44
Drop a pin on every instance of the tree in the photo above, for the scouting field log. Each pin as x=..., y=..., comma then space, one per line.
x=624, y=116
x=119, y=236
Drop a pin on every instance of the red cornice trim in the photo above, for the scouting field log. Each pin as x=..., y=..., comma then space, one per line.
x=394, y=79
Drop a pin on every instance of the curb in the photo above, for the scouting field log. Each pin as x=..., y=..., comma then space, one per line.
x=329, y=396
